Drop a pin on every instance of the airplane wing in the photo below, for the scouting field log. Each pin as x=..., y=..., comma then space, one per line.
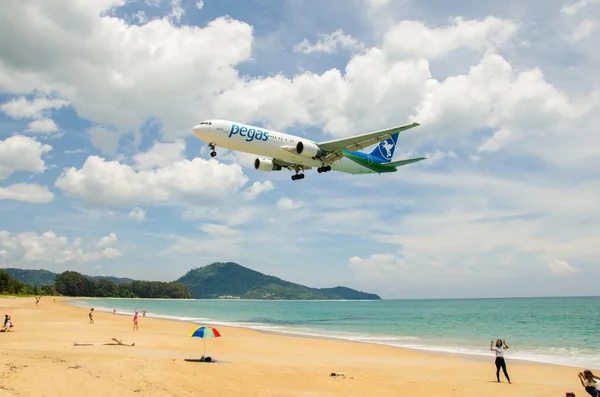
x=335, y=147
x=400, y=163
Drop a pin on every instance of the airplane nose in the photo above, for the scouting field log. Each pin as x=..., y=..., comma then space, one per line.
x=197, y=130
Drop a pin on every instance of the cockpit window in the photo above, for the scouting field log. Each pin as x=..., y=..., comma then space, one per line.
x=206, y=122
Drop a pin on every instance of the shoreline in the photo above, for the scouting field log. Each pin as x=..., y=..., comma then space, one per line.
x=41, y=359
x=291, y=332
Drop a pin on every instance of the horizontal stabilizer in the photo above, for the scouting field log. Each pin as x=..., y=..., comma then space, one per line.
x=403, y=162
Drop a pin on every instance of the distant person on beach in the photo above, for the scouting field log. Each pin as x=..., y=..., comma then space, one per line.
x=91, y=313
x=591, y=382
x=114, y=311
x=144, y=312
x=135, y=320
x=37, y=300
x=500, y=362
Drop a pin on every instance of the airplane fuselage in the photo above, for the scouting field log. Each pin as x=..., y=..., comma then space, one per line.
x=266, y=143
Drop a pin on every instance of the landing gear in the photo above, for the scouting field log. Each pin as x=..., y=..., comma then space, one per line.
x=298, y=175
x=326, y=168
x=212, y=148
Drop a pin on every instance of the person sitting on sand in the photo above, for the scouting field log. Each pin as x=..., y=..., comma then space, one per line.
x=91, y=313
x=591, y=382
x=500, y=363
x=7, y=323
x=135, y=320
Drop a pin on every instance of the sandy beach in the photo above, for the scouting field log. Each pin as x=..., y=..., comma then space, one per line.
x=41, y=360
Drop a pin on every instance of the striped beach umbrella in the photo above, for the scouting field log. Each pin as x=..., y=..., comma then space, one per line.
x=205, y=332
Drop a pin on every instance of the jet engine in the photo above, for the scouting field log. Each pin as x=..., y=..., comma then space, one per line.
x=265, y=165
x=308, y=149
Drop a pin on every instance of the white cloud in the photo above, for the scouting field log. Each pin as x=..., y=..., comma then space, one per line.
x=576, y=8
x=286, y=203
x=257, y=188
x=21, y=153
x=107, y=241
x=177, y=12
x=438, y=155
x=29, y=193
x=141, y=17
x=382, y=87
x=160, y=155
x=42, y=126
x=75, y=151
x=38, y=108
x=116, y=74
x=561, y=267
x=413, y=38
x=29, y=247
x=328, y=43
x=199, y=4
x=102, y=182
x=137, y=214
x=584, y=30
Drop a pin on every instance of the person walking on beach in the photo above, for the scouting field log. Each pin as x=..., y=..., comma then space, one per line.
x=135, y=320
x=500, y=363
x=91, y=313
x=591, y=382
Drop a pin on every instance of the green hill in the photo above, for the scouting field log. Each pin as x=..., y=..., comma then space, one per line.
x=39, y=277
x=43, y=277
x=233, y=280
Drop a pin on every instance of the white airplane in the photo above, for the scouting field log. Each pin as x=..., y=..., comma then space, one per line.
x=277, y=150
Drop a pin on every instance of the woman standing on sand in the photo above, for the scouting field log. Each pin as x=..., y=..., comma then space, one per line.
x=135, y=320
x=590, y=381
x=500, y=363
x=91, y=313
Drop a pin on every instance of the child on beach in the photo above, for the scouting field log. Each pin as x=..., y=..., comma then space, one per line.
x=135, y=320
x=500, y=363
x=7, y=323
x=590, y=381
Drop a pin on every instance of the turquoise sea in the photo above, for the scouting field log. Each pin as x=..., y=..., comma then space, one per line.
x=561, y=331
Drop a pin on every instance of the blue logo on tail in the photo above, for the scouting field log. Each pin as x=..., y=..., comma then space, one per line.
x=384, y=152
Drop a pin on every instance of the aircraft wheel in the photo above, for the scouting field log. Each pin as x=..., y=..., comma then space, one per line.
x=213, y=154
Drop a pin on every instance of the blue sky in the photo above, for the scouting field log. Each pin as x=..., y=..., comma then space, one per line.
x=99, y=171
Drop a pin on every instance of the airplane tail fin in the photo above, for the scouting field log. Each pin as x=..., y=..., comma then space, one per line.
x=384, y=152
